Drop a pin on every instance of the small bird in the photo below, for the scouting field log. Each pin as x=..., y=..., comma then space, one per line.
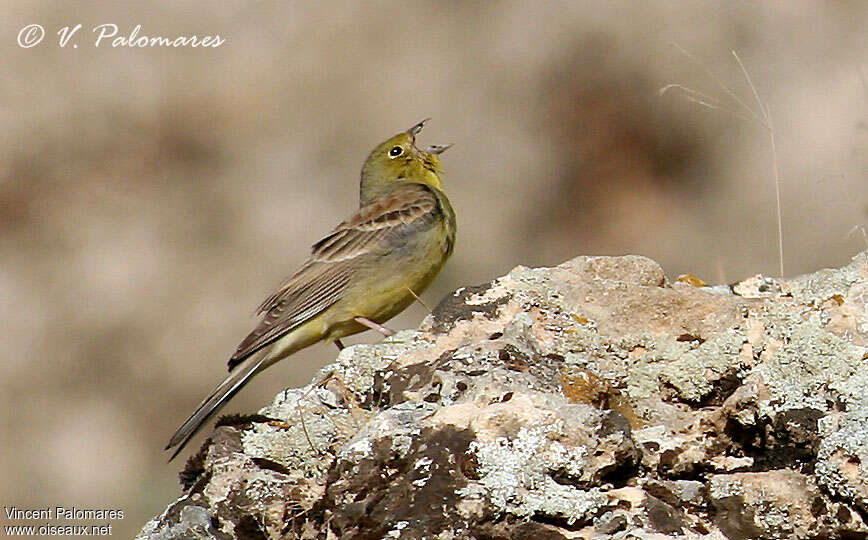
x=366, y=271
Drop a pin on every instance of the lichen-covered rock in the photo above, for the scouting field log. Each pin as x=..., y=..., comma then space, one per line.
x=777, y=504
x=590, y=400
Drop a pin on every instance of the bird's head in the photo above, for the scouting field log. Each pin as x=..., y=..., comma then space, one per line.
x=398, y=160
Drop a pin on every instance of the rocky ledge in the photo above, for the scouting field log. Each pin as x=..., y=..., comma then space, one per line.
x=594, y=399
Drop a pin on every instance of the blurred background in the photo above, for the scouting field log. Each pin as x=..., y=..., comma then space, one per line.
x=151, y=198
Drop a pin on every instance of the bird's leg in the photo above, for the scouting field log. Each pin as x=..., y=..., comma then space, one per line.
x=339, y=344
x=374, y=326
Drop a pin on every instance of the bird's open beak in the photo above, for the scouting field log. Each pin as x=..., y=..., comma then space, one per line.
x=438, y=148
x=413, y=131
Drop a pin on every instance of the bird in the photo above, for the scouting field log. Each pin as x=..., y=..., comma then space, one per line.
x=367, y=270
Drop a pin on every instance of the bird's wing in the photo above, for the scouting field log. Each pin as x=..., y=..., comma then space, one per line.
x=324, y=278
x=380, y=217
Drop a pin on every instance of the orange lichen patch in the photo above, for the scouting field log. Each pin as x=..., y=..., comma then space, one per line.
x=834, y=300
x=579, y=319
x=692, y=280
x=582, y=386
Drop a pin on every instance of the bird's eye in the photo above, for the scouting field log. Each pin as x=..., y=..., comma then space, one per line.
x=396, y=151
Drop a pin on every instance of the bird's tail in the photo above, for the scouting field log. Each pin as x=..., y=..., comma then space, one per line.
x=215, y=401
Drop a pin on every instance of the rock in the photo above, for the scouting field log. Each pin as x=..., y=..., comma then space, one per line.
x=588, y=400
x=777, y=504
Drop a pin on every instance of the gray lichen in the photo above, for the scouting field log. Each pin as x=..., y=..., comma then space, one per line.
x=515, y=475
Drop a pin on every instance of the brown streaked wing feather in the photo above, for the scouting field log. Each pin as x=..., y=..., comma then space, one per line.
x=323, y=279
x=318, y=287
x=373, y=221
